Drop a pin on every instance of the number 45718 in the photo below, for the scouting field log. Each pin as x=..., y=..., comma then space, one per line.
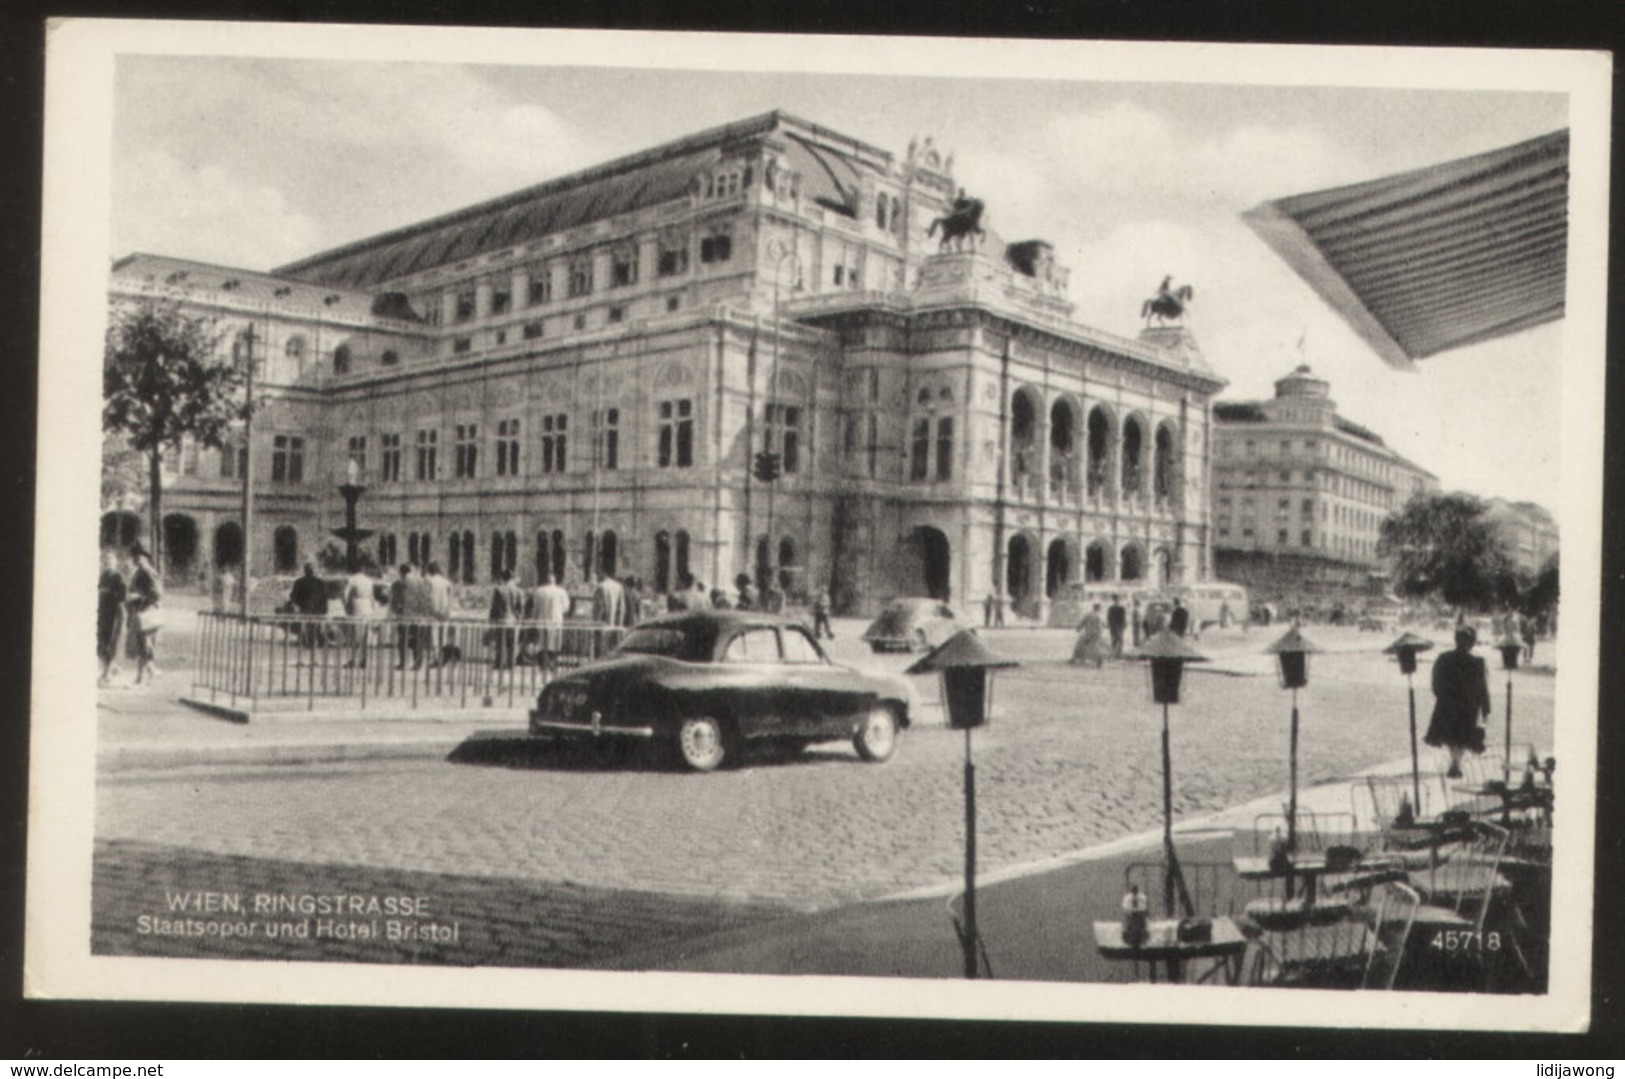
x=1465, y=940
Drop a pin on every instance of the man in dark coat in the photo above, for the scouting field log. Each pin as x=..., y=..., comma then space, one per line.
x=309, y=598
x=1461, y=691
x=1179, y=620
x=507, y=604
x=1116, y=622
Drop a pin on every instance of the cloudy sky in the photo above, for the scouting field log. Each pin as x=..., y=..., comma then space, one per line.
x=254, y=162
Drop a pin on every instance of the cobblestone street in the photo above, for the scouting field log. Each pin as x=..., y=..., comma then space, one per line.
x=1070, y=760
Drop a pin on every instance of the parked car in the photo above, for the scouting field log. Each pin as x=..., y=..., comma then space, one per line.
x=708, y=682
x=912, y=624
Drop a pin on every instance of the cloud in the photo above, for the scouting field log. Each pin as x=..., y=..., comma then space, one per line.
x=166, y=206
x=356, y=149
x=1127, y=157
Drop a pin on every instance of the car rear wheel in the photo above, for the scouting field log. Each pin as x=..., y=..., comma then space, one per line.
x=876, y=739
x=702, y=743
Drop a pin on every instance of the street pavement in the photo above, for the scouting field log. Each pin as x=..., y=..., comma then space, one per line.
x=1069, y=763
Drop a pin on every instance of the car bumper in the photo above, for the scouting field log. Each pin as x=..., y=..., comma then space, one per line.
x=587, y=730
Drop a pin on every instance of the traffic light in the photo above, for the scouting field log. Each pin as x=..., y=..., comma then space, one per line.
x=766, y=466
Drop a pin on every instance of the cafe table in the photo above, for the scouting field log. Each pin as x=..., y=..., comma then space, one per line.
x=1514, y=799
x=1290, y=911
x=1226, y=943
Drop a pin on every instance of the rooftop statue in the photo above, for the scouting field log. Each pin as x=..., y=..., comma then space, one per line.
x=963, y=220
x=1168, y=305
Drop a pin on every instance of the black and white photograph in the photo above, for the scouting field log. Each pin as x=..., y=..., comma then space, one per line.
x=823, y=526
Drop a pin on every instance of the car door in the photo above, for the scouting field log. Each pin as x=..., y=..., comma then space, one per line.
x=826, y=697
x=753, y=683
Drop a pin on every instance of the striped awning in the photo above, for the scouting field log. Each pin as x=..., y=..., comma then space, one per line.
x=1438, y=258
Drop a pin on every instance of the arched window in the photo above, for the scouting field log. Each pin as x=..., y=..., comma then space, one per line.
x=787, y=562
x=1162, y=479
x=1133, y=565
x=1094, y=563
x=608, y=554
x=341, y=360
x=285, y=549
x=1063, y=445
x=1133, y=439
x=762, y=567
x=662, y=561
x=1100, y=434
x=684, y=573
x=1023, y=437
x=454, y=552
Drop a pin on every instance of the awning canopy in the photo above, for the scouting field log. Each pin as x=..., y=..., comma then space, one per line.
x=1438, y=258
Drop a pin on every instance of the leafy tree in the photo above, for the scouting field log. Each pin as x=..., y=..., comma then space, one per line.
x=123, y=471
x=1447, y=548
x=162, y=381
x=1541, y=598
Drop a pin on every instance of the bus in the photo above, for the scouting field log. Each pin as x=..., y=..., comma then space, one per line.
x=1207, y=601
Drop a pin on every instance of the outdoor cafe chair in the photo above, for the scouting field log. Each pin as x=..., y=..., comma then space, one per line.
x=1406, y=835
x=1394, y=908
x=1459, y=894
x=1482, y=774
x=1324, y=954
x=1330, y=862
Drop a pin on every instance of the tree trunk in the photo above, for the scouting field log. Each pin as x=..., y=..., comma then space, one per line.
x=155, y=517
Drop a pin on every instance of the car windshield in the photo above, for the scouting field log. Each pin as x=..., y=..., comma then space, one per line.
x=668, y=641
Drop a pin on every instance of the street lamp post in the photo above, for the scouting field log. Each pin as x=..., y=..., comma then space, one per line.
x=247, y=357
x=1292, y=653
x=769, y=463
x=1406, y=649
x=965, y=664
x=1511, y=648
x=1168, y=653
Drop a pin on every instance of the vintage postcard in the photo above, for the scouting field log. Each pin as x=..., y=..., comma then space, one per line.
x=833, y=526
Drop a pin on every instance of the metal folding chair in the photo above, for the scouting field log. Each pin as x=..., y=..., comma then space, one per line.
x=1324, y=955
x=1394, y=910
x=1459, y=893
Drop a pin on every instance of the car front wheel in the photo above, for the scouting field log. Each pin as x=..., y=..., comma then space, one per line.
x=876, y=739
x=701, y=743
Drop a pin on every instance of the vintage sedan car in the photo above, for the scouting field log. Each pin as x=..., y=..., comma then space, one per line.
x=706, y=683
x=913, y=623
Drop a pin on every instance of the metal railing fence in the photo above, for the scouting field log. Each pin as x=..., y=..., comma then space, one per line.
x=280, y=660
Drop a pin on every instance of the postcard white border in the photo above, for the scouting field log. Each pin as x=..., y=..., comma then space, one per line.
x=79, y=87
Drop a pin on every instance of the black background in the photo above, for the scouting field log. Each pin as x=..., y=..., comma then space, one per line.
x=85, y=1031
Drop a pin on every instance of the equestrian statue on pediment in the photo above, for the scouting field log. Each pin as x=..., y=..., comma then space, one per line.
x=1169, y=304
x=962, y=221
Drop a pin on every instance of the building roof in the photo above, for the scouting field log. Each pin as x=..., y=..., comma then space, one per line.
x=621, y=186
x=1239, y=412
x=160, y=275
x=1440, y=257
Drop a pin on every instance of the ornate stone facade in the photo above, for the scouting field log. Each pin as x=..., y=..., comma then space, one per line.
x=582, y=374
x=1300, y=493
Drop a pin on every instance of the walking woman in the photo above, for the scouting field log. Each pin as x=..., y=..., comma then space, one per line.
x=111, y=592
x=1091, y=645
x=146, y=617
x=1461, y=691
